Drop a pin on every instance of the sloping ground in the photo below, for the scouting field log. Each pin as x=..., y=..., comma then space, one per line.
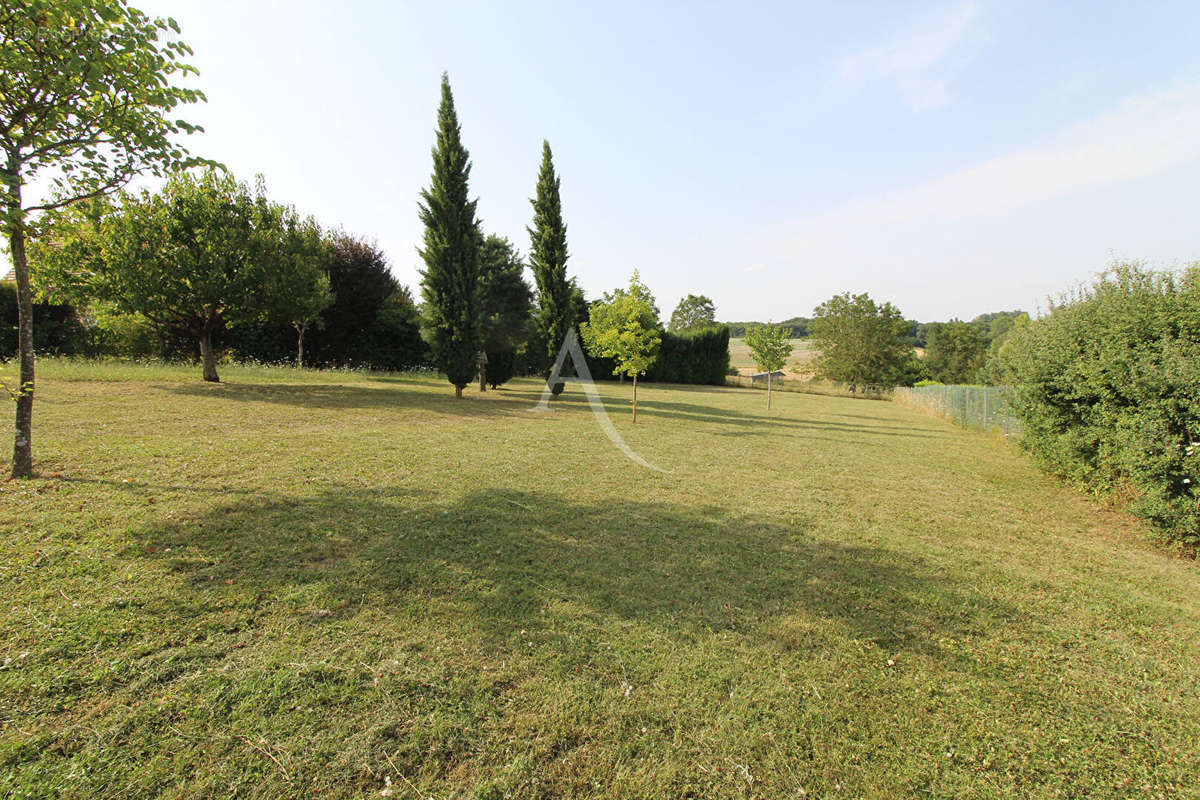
x=283, y=586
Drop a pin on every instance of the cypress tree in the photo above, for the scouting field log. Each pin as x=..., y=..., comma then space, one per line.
x=449, y=283
x=548, y=259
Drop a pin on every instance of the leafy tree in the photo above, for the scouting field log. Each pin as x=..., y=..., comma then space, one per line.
x=770, y=347
x=955, y=352
x=204, y=251
x=624, y=326
x=693, y=312
x=362, y=286
x=450, y=282
x=299, y=289
x=859, y=341
x=86, y=95
x=505, y=307
x=558, y=305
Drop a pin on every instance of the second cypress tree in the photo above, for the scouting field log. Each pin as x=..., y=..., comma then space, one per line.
x=548, y=259
x=450, y=281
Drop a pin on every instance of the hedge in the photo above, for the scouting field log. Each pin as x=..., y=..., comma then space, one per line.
x=699, y=356
x=1107, y=390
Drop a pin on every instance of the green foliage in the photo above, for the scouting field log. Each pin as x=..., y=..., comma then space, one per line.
x=87, y=91
x=1107, y=388
x=624, y=326
x=87, y=98
x=559, y=307
x=57, y=329
x=955, y=352
x=393, y=340
x=693, y=312
x=859, y=341
x=204, y=252
x=501, y=366
x=770, y=345
x=505, y=306
x=450, y=281
x=363, y=288
x=913, y=371
x=693, y=356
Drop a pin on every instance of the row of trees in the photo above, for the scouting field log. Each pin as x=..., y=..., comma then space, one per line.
x=476, y=301
x=211, y=261
x=481, y=318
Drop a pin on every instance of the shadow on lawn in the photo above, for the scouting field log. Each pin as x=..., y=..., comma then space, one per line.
x=346, y=397
x=695, y=412
x=503, y=556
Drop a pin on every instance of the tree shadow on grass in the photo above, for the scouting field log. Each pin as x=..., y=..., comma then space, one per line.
x=695, y=412
x=347, y=397
x=502, y=556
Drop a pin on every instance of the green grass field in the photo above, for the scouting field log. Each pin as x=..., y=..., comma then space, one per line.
x=740, y=358
x=339, y=585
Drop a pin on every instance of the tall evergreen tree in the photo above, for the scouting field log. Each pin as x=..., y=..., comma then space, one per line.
x=504, y=302
x=450, y=281
x=548, y=258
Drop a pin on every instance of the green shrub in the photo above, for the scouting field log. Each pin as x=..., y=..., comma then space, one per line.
x=56, y=328
x=501, y=366
x=695, y=356
x=1107, y=388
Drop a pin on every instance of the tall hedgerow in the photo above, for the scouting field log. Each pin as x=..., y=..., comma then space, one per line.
x=1107, y=387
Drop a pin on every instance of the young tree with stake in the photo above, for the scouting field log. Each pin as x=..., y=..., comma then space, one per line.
x=86, y=95
x=770, y=347
x=625, y=327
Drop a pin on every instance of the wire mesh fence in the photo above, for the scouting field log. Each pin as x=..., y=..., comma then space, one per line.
x=983, y=407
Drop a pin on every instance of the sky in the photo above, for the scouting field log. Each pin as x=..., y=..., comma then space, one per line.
x=952, y=158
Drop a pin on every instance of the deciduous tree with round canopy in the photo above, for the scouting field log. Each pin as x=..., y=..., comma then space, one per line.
x=204, y=251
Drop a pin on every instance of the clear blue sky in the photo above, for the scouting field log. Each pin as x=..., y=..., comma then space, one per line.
x=954, y=158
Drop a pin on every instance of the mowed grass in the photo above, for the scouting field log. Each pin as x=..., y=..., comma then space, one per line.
x=313, y=585
x=740, y=357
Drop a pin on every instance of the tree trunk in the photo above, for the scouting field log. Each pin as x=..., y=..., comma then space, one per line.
x=458, y=392
x=22, y=462
x=207, y=357
x=300, y=345
x=635, y=397
x=483, y=372
x=768, y=391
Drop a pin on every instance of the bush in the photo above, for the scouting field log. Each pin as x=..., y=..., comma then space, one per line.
x=697, y=356
x=501, y=366
x=1107, y=388
x=56, y=328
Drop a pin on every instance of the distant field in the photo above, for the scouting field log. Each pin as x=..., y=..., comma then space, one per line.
x=740, y=359
x=338, y=585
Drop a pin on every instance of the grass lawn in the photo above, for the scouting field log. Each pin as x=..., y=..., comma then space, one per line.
x=335, y=585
